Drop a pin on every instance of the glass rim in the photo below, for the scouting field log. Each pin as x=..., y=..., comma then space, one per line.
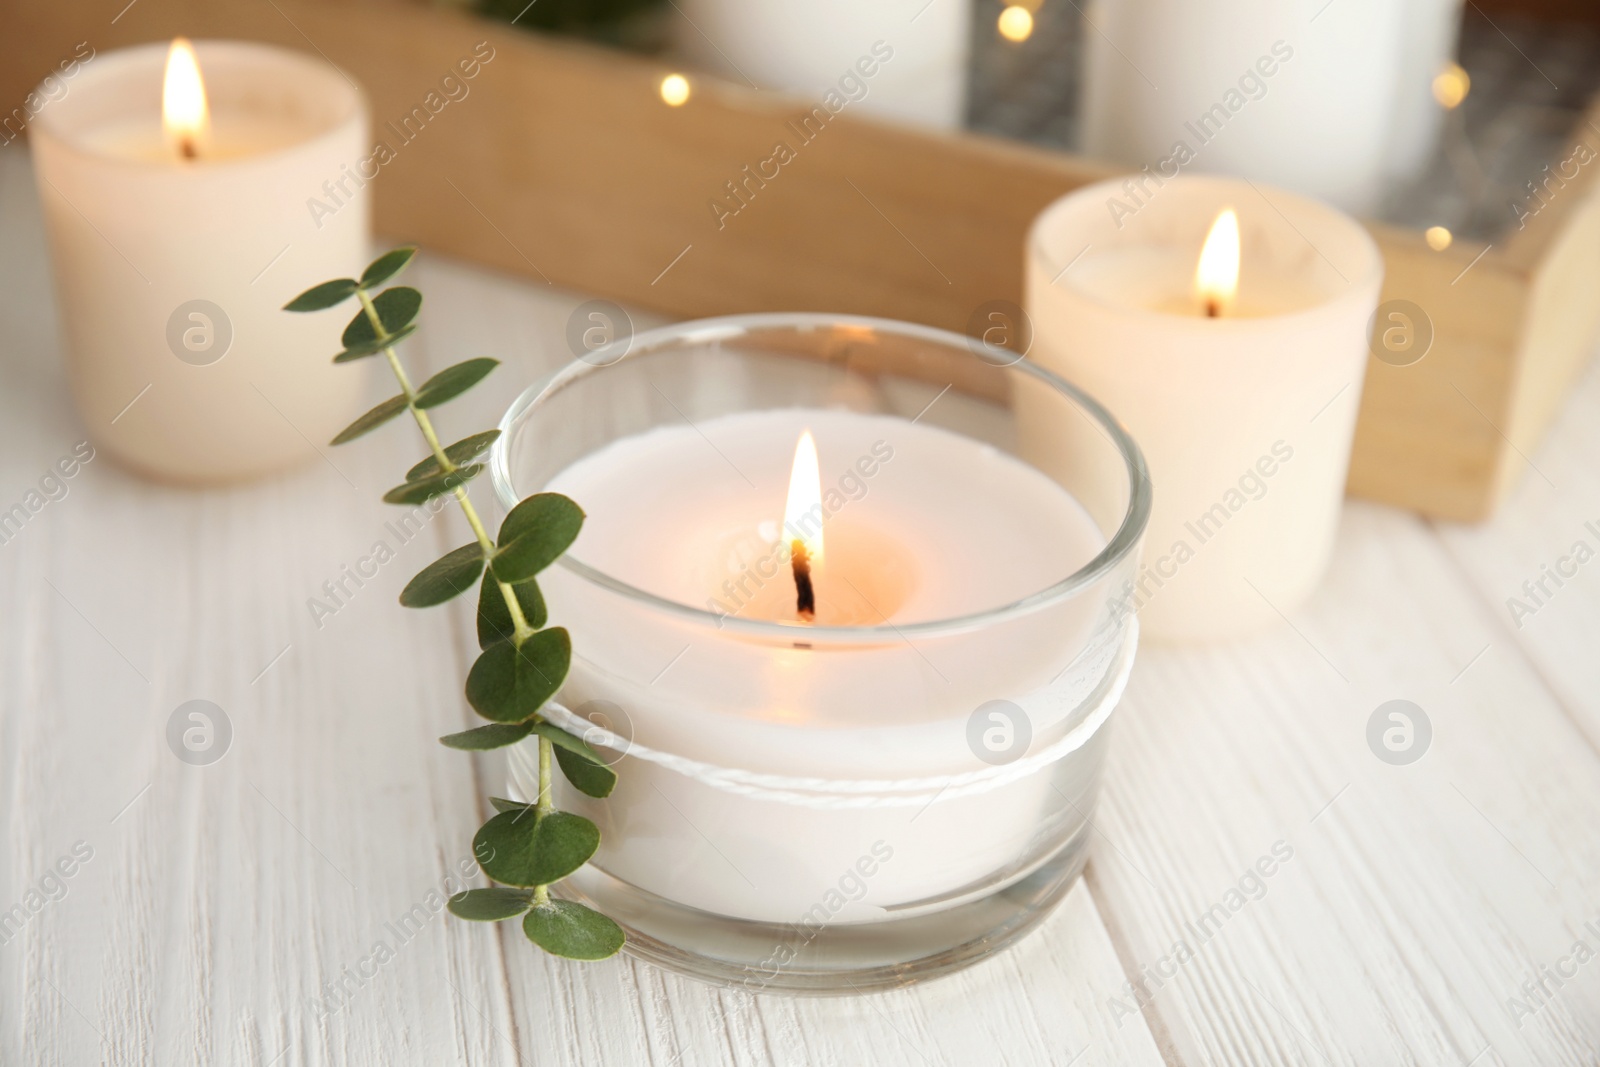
x=1119, y=546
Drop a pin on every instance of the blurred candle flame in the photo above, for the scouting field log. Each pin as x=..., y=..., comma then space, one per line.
x=184, y=115
x=804, y=508
x=1216, y=279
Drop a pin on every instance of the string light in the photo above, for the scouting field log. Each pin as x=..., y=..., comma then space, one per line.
x=674, y=90
x=1451, y=86
x=1016, y=23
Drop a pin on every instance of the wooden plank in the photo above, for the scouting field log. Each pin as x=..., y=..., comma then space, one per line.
x=1532, y=543
x=1419, y=898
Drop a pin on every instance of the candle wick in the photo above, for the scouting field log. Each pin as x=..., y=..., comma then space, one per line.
x=1213, y=309
x=186, y=148
x=805, y=601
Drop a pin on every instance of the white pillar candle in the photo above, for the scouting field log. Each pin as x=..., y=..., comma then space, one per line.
x=1430, y=31
x=1298, y=93
x=1245, y=419
x=901, y=59
x=926, y=525
x=171, y=271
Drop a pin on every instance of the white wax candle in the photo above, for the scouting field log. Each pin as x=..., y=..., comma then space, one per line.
x=1430, y=32
x=1245, y=420
x=171, y=272
x=1298, y=93
x=901, y=59
x=925, y=525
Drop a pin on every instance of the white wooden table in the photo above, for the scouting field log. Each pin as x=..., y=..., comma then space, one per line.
x=220, y=902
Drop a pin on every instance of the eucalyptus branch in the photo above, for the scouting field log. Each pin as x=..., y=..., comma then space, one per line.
x=528, y=847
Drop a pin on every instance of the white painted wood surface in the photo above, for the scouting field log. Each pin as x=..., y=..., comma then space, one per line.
x=220, y=900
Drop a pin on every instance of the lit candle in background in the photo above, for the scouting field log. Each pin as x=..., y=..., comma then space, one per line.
x=174, y=183
x=1239, y=375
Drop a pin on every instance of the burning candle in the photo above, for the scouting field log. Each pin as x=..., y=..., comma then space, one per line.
x=1226, y=324
x=175, y=183
x=828, y=635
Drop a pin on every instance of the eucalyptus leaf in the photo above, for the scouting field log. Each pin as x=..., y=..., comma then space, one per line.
x=503, y=847
x=502, y=804
x=322, y=296
x=448, y=576
x=510, y=684
x=494, y=618
x=427, y=488
x=587, y=776
x=462, y=452
x=484, y=738
x=374, y=346
x=566, y=741
x=386, y=266
x=562, y=842
x=453, y=381
x=534, y=535
x=372, y=419
x=582, y=765
x=396, y=308
x=490, y=905
x=570, y=930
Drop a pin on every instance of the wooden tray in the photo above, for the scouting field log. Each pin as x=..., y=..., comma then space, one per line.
x=564, y=164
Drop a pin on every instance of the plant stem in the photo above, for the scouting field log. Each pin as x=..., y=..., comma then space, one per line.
x=541, y=808
x=521, y=631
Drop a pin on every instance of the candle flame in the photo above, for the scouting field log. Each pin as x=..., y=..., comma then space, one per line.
x=1216, y=279
x=802, y=516
x=184, y=115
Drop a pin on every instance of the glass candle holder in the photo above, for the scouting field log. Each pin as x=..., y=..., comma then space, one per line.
x=899, y=783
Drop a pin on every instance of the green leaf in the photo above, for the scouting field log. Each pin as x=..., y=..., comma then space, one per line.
x=448, y=576
x=534, y=534
x=453, y=381
x=462, y=452
x=570, y=930
x=428, y=488
x=502, y=804
x=494, y=618
x=386, y=266
x=374, y=346
x=562, y=842
x=503, y=847
x=372, y=419
x=511, y=684
x=396, y=308
x=517, y=848
x=484, y=738
x=322, y=296
x=490, y=905
x=564, y=740
x=586, y=775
